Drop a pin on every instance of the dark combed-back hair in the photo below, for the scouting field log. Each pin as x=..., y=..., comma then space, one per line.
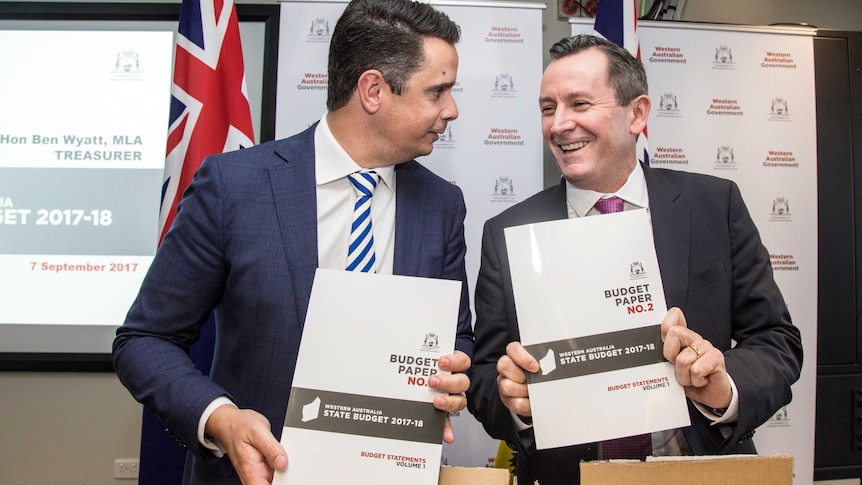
x=625, y=73
x=386, y=35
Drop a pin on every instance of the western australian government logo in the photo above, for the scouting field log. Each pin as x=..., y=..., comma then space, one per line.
x=723, y=58
x=778, y=60
x=724, y=158
x=504, y=137
x=668, y=106
x=313, y=81
x=504, y=86
x=319, y=31
x=781, y=419
x=636, y=270
x=504, y=189
x=783, y=262
x=668, y=156
x=666, y=54
x=780, y=210
x=503, y=35
x=779, y=110
x=445, y=140
x=127, y=65
x=430, y=344
x=780, y=158
x=724, y=107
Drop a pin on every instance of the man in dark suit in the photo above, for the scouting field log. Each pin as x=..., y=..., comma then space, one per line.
x=255, y=224
x=717, y=275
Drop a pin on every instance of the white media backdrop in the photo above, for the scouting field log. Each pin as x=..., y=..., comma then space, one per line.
x=738, y=103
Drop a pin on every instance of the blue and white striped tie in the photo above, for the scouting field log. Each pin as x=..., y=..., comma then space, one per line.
x=360, y=254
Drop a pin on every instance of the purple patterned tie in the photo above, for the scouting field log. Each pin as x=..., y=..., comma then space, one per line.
x=631, y=447
x=611, y=204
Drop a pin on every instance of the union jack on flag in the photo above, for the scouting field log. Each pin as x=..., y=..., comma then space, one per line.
x=209, y=100
x=617, y=21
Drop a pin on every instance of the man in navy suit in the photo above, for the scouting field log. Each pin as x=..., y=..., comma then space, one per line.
x=255, y=224
x=728, y=332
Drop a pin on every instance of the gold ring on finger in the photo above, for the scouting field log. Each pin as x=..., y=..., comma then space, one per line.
x=696, y=350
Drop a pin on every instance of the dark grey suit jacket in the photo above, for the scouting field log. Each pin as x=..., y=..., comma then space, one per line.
x=714, y=268
x=244, y=244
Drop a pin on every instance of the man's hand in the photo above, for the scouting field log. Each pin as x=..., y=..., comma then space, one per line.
x=699, y=366
x=245, y=435
x=512, y=381
x=453, y=386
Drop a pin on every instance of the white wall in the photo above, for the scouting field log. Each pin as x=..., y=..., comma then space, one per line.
x=65, y=428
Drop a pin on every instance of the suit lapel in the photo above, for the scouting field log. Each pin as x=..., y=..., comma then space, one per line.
x=554, y=206
x=671, y=224
x=295, y=196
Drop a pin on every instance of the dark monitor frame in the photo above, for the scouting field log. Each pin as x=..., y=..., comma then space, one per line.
x=838, y=417
x=268, y=15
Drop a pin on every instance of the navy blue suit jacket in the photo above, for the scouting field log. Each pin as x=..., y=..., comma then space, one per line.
x=244, y=244
x=713, y=267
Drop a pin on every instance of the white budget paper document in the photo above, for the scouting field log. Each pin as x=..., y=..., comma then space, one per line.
x=360, y=408
x=590, y=301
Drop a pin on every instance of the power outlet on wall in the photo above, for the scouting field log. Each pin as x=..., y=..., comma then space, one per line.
x=126, y=468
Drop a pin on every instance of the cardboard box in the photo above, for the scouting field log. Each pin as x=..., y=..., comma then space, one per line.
x=454, y=475
x=702, y=470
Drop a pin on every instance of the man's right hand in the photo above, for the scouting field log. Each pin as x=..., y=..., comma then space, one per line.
x=246, y=437
x=512, y=381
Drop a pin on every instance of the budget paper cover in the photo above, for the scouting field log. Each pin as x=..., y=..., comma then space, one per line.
x=590, y=301
x=360, y=407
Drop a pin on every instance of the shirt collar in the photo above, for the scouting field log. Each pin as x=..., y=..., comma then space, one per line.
x=333, y=163
x=634, y=192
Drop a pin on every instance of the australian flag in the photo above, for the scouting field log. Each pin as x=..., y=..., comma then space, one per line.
x=617, y=21
x=209, y=114
x=209, y=101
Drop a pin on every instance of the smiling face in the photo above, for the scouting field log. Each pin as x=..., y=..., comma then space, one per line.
x=591, y=137
x=417, y=117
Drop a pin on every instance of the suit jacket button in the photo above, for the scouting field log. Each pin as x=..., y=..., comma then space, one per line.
x=176, y=438
x=745, y=437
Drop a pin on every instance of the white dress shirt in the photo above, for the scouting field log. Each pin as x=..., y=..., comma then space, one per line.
x=335, y=198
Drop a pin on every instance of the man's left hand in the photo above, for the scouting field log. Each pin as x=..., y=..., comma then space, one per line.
x=698, y=365
x=453, y=386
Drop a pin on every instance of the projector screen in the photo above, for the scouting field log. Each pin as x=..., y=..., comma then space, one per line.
x=82, y=148
x=83, y=127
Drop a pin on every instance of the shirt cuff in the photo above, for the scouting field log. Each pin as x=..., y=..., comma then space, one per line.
x=520, y=425
x=729, y=415
x=204, y=440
